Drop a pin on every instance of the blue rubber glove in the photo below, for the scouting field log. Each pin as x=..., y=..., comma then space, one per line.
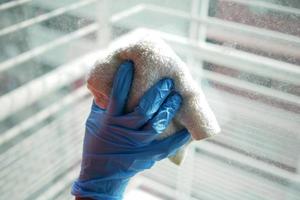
x=118, y=145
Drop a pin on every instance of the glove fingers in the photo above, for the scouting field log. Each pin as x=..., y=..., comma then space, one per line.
x=160, y=149
x=156, y=150
x=150, y=103
x=133, y=120
x=121, y=87
x=129, y=137
x=155, y=126
x=165, y=114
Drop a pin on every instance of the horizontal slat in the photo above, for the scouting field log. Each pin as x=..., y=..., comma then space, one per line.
x=267, y=5
x=247, y=108
x=11, y=4
x=248, y=161
x=255, y=31
x=44, y=17
x=42, y=115
x=266, y=45
x=88, y=13
x=48, y=46
x=35, y=89
x=236, y=83
x=135, y=10
x=15, y=155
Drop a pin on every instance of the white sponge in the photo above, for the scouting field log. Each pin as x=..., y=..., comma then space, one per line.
x=153, y=60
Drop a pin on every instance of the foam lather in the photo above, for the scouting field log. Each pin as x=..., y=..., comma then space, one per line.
x=153, y=60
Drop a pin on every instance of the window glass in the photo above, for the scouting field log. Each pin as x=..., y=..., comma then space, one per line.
x=244, y=54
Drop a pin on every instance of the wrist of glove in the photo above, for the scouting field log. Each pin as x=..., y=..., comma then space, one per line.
x=117, y=145
x=108, y=189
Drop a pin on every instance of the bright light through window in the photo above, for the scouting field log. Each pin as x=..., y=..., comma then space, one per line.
x=245, y=54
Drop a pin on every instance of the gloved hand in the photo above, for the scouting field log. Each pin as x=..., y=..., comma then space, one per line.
x=118, y=145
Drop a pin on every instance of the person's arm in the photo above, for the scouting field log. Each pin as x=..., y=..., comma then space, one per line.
x=118, y=145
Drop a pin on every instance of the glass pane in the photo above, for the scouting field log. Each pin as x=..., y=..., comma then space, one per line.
x=244, y=54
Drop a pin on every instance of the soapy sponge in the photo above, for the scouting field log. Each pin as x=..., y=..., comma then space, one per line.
x=153, y=60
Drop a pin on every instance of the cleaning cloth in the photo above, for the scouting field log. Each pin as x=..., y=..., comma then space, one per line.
x=153, y=60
